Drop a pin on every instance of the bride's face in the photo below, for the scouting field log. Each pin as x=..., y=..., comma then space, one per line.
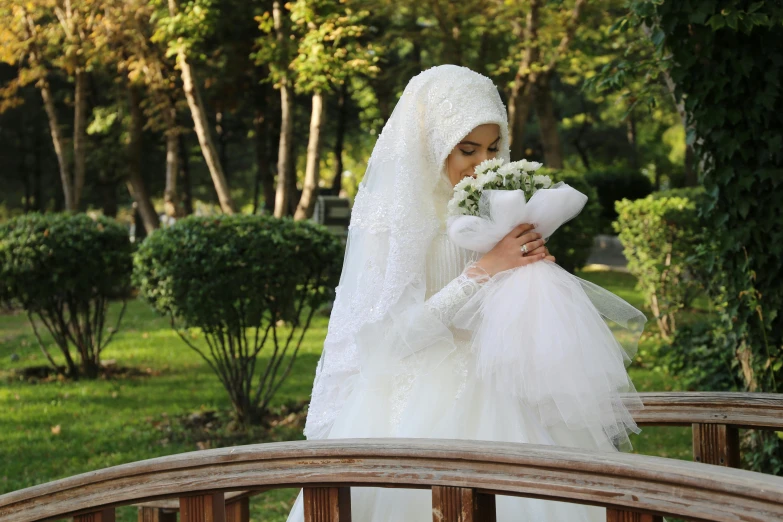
x=481, y=144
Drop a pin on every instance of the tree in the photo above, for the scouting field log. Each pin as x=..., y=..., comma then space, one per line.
x=274, y=50
x=182, y=30
x=544, y=46
x=330, y=51
x=47, y=35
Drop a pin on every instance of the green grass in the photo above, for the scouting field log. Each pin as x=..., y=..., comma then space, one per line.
x=56, y=429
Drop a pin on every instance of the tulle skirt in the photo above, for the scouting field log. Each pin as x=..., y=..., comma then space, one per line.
x=441, y=396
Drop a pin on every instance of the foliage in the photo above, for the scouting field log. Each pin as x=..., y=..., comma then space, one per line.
x=249, y=283
x=660, y=234
x=613, y=185
x=62, y=269
x=572, y=243
x=726, y=58
x=333, y=44
x=700, y=359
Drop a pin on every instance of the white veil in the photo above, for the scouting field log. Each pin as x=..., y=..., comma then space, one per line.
x=394, y=220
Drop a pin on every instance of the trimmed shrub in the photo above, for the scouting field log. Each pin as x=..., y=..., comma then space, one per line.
x=660, y=235
x=701, y=359
x=572, y=243
x=249, y=283
x=62, y=269
x=615, y=185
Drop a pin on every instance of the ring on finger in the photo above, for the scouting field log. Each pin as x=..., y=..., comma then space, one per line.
x=524, y=249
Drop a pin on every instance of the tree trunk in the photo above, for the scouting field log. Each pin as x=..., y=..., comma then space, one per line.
x=630, y=126
x=691, y=173
x=220, y=130
x=282, y=197
x=337, y=181
x=312, y=172
x=59, y=146
x=264, y=177
x=79, y=135
x=291, y=178
x=170, y=198
x=135, y=179
x=201, y=126
x=550, y=137
x=521, y=99
x=187, y=196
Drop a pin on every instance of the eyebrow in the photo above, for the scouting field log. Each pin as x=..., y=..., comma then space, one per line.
x=478, y=144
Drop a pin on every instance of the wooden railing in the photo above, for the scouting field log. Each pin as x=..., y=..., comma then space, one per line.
x=464, y=475
x=715, y=418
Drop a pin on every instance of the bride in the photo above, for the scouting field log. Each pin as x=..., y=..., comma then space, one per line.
x=394, y=364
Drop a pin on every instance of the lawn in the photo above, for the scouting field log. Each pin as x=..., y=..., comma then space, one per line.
x=54, y=429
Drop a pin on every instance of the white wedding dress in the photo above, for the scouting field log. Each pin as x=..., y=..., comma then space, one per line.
x=440, y=396
x=394, y=364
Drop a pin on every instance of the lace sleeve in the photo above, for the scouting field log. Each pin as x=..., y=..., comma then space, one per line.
x=448, y=300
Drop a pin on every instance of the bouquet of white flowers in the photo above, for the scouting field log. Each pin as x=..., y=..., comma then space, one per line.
x=539, y=333
x=494, y=175
x=486, y=207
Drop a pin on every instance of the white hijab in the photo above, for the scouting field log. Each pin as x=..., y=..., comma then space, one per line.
x=394, y=221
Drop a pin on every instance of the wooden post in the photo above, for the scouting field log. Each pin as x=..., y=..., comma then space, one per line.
x=716, y=444
x=238, y=510
x=102, y=515
x=618, y=515
x=152, y=514
x=327, y=504
x=453, y=504
x=203, y=508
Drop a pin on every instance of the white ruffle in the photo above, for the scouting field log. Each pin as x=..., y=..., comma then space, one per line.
x=540, y=337
x=540, y=334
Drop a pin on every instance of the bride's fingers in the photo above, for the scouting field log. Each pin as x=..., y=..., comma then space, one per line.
x=535, y=247
x=520, y=230
x=527, y=238
x=527, y=260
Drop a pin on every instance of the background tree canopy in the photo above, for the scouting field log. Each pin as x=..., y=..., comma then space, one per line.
x=221, y=105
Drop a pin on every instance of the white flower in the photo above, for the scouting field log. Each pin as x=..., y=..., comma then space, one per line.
x=453, y=207
x=463, y=184
x=490, y=164
x=543, y=181
x=532, y=166
x=508, y=168
x=486, y=177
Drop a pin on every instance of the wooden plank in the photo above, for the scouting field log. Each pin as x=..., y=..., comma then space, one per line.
x=456, y=504
x=744, y=410
x=172, y=504
x=152, y=514
x=716, y=444
x=103, y=515
x=327, y=504
x=238, y=510
x=618, y=515
x=611, y=479
x=209, y=507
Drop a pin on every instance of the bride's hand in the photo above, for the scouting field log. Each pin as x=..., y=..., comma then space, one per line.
x=508, y=254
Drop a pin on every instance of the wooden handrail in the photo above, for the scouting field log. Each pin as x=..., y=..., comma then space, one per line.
x=615, y=480
x=742, y=410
